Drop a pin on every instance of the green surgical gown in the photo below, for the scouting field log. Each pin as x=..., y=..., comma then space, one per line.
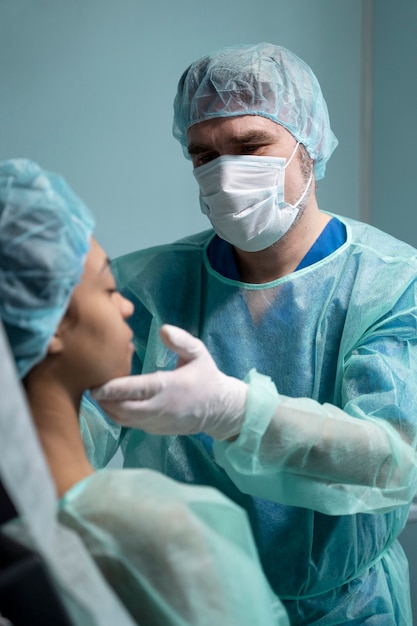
x=175, y=554
x=325, y=464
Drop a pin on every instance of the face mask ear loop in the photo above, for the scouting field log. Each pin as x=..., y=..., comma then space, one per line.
x=292, y=156
x=294, y=206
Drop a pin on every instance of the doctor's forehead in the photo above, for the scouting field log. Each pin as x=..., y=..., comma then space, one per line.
x=242, y=128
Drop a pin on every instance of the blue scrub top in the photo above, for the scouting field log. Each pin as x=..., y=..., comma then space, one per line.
x=222, y=259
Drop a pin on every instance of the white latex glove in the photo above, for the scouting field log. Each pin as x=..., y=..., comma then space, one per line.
x=195, y=397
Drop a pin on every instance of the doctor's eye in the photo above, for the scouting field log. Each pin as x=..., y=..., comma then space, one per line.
x=248, y=149
x=202, y=159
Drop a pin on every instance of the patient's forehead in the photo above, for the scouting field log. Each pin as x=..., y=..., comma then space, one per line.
x=96, y=262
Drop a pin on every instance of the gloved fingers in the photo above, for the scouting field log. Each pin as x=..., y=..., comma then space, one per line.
x=195, y=397
x=136, y=414
x=138, y=387
x=182, y=342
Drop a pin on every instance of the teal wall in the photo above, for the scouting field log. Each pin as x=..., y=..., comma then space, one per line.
x=87, y=89
x=394, y=119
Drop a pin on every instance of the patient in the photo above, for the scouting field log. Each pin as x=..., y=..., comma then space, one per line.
x=174, y=554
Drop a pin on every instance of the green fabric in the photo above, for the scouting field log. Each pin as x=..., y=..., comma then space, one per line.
x=312, y=465
x=326, y=465
x=175, y=554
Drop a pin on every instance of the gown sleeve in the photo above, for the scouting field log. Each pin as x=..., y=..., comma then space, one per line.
x=175, y=554
x=338, y=461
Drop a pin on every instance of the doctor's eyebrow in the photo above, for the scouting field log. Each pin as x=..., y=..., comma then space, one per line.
x=253, y=137
x=245, y=138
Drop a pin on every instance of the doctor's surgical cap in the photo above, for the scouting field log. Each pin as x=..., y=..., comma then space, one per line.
x=45, y=232
x=265, y=80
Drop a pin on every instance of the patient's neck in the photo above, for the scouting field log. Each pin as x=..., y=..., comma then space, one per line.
x=55, y=413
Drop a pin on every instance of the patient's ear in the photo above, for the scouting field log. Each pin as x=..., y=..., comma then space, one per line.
x=56, y=345
x=63, y=334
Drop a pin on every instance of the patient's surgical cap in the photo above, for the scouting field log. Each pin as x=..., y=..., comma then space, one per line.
x=265, y=80
x=45, y=232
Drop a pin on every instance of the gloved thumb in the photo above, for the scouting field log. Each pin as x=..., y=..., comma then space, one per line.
x=182, y=342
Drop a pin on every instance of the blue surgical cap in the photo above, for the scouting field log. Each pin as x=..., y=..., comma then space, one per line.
x=261, y=79
x=45, y=232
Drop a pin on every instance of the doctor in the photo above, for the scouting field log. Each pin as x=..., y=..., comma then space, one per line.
x=292, y=388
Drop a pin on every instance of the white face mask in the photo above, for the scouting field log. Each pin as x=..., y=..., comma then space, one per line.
x=243, y=197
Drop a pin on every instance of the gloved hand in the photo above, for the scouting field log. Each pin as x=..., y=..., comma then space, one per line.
x=195, y=397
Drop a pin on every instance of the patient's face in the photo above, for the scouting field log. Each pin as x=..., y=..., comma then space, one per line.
x=98, y=340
